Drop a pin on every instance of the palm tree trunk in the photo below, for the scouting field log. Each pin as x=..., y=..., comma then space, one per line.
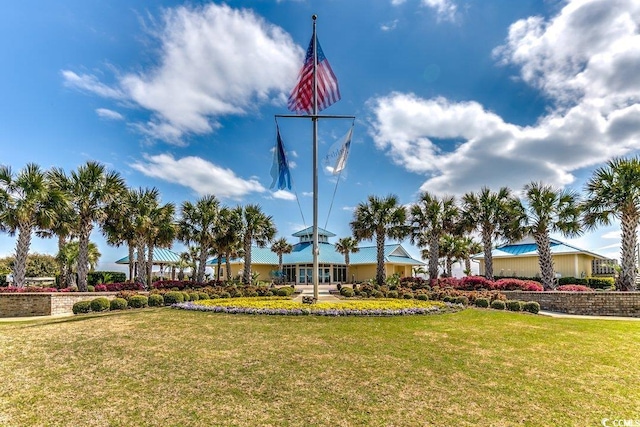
x=488, y=257
x=149, y=265
x=346, y=261
x=83, y=254
x=380, y=276
x=246, y=277
x=219, y=267
x=449, y=266
x=281, y=278
x=228, y=265
x=202, y=264
x=434, y=251
x=546, y=261
x=142, y=266
x=132, y=263
x=629, y=223
x=467, y=266
x=22, y=251
x=62, y=268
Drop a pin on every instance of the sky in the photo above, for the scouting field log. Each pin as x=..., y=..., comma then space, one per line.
x=449, y=96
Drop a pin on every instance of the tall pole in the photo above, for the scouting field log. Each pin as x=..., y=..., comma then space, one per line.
x=314, y=120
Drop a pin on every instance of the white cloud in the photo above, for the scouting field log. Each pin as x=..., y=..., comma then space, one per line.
x=460, y=146
x=283, y=195
x=446, y=9
x=615, y=234
x=90, y=83
x=202, y=176
x=105, y=113
x=389, y=26
x=206, y=69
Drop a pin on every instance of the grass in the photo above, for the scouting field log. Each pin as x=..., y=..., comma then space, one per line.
x=159, y=367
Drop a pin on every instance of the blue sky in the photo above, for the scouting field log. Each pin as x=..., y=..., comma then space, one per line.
x=449, y=95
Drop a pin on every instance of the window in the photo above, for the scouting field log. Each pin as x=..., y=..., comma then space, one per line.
x=339, y=273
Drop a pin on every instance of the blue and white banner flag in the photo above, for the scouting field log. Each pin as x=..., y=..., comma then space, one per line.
x=336, y=159
x=280, y=168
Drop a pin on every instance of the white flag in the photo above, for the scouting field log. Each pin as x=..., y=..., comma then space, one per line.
x=336, y=159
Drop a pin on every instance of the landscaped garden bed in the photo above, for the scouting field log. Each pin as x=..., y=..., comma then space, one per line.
x=286, y=306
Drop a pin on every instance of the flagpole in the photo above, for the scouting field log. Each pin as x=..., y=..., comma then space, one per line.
x=314, y=119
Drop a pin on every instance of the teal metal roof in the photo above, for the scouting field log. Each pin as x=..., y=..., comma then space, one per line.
x=160, y=256
x=302, y=254
x=309, y=231
x=527, y=247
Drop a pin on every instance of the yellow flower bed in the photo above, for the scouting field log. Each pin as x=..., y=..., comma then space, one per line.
x=288, y=304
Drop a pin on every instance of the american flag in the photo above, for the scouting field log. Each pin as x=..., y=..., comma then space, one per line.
x=301, y=97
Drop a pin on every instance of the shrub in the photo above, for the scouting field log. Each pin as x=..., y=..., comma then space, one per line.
x=574, y=288
x=156, y=300
x=514, y=305
x=572, y=281
x=203, y=295
x=100, y=288
x=482, y=302
x=392, y=294
x=346, y=292
x=81, y=307
x=448, y=298
x=100, y=304
x=339, y=286
x=186, y=296
x=408, y=295
x=497, y=304
x=194, y=296
x=531, y=307
x=91, y=288
x=282, y=292
x=138, y=301
x=600, y=282
x=422, y=297
x=461, y=300
x=118, y=304
x=174, y=297
x=512, y=284
x=222, y=295
x=472, y=283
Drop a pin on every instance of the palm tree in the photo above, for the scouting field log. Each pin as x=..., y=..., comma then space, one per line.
x=62, y=227
x=198, y=224
x=27, y=203
x=229, y=237
x=468, y=247
x=257, y=228
x=118, y=227
x=380, y=218
x=613, y=191
x=431, y=219
x=69, y=256
x=496, y=215
x=281, y=247
x=161, y=233
x=550, y=210
x=91, y=189
x=450, y=248
x=347, y=246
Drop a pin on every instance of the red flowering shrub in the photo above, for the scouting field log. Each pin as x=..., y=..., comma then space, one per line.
x=511, y=284
x=123, y=286
x=101, y=288
x=474, y=283
x=574, y=288
x=446, y=282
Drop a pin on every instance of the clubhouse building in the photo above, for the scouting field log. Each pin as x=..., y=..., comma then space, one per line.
x=298, y=265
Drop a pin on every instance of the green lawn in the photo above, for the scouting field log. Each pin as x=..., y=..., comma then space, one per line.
x=163, y=367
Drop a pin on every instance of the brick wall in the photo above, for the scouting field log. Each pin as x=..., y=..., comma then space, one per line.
x=625, y=304
x=44, y=304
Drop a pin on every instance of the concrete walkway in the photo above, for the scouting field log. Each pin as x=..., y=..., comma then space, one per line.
x=578, y=316
x=323, y=293
x=27, y=319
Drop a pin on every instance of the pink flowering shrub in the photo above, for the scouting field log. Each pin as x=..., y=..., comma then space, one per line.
x=474, y=283
x=511, y=284
x=101, y=288
x=574, y=288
